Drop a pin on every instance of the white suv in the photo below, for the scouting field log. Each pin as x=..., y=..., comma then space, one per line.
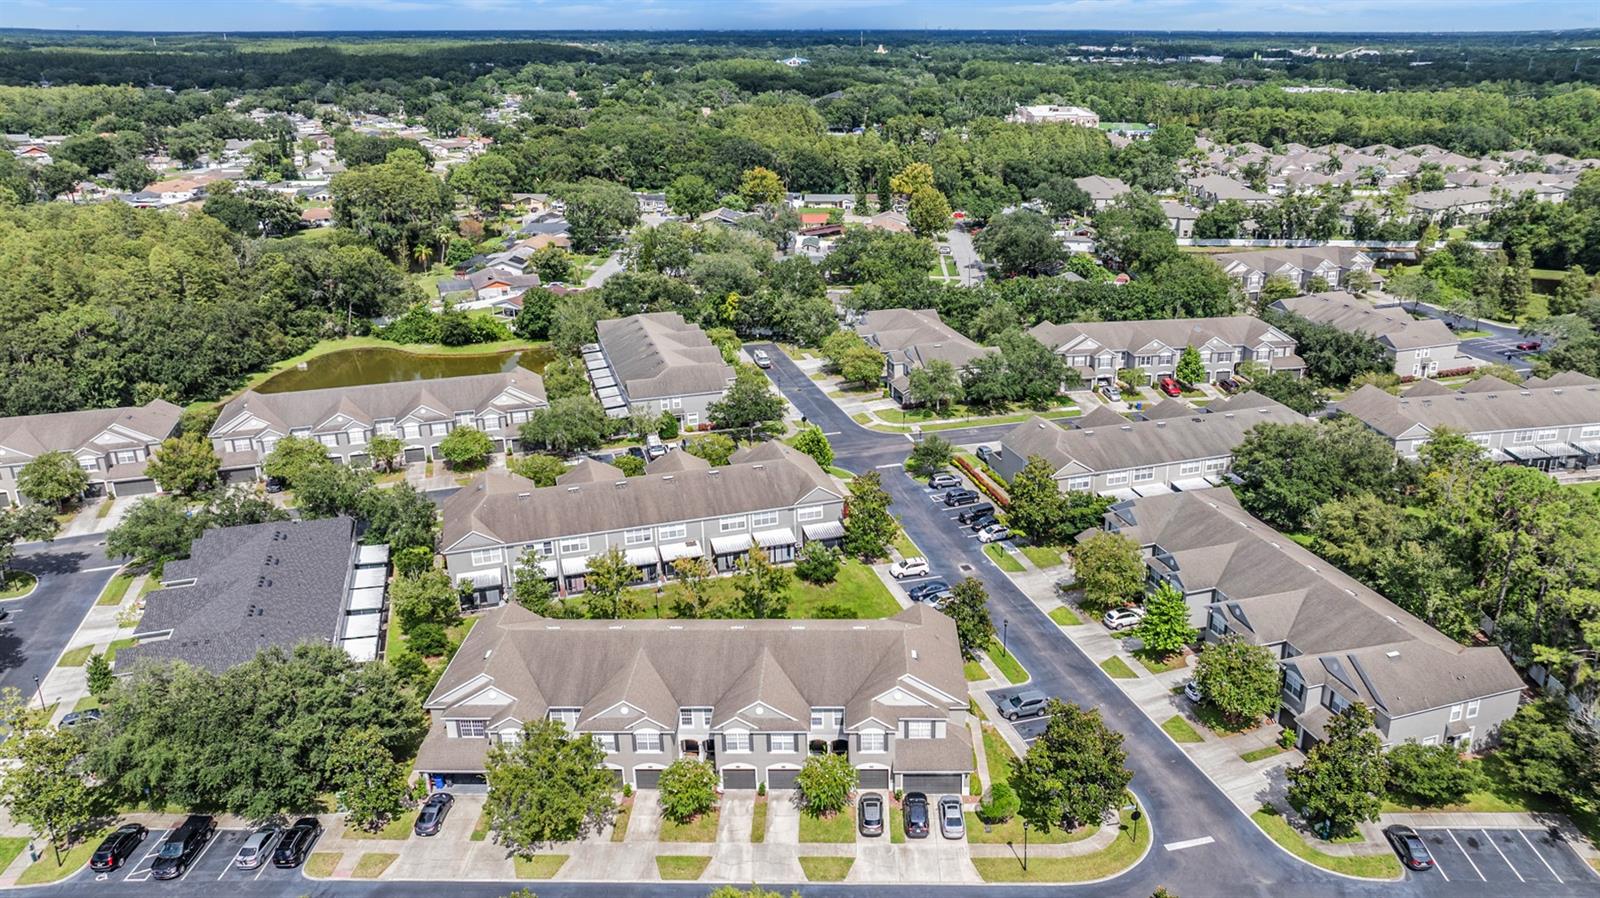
x=909, y=567
x=1122, y=618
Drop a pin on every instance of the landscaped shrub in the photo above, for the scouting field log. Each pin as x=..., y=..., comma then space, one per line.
x=817, y=564
x=688, y=788
x=999, y=805
x=428, y=639
x=825, y=783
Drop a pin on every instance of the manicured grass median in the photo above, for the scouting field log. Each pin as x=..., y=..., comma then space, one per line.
x=10, y=847
x=619, y=824
x=897, y=825
x=1065, y=616
x=1130, y=844
x=701, y=829
x=1003, y=558
x=1261, y=754
x=45, y=869
x=974, y=671
x=1180, y=730
x=840, y=827
x=1372, y=866
x=320, y=864
x=540, y=866
x=372, y=864
x=1155, y=665
x=1042, y=556
x=481, y=830
x=681, y=866
x=758, y=822
x=997, y=755
x=17, y=584
x=75, y=657
x=1007, y=662
x=1117, y=668
x=1011, y=831
x=857, y=589
x=826, y=869
x=115, y=590
x=397, y=828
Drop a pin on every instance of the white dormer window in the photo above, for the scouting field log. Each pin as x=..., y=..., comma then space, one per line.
x=827, y=718
x=736, y=741
x=464, y=419
x=472, y=729
x=646, y=741
x=357, y=435
x=568, y=717
x=874, y=742
x=384, y=428
x=331, y=440
x=919, y=729
x=694, y=718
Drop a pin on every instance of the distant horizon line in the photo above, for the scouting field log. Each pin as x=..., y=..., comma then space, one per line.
x=1214, y=32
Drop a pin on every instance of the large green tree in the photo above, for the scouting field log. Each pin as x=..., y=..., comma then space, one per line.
x=1342, y=782
x=868, y=526
x=969, y=608
x=397, y=204
x=29, y=522
x=750, y=404
x=548, y=786
x=185, y=465
x=1239, y=678
x=53, y=478
x=1074, y=773
x=372, y=785
x=1165, y=628
x=43, y=787
x=1109, y=568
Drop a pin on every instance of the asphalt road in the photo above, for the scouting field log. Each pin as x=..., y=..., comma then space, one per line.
x=71, y=573
x=1493, y=348
x=965, y=256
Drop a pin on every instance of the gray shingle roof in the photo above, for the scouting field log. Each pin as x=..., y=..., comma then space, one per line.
x=28, y=436
x=917, y=336
x=369, y=403
x=1391, y=326
x=1131, y=336
x=1475, y=412
x=659, y=354
x=280, y=583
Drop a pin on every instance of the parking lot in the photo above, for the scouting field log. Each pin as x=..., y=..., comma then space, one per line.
x=1503, y=856
x=214, y=863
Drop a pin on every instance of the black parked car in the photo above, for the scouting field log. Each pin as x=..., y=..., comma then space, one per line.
x=117, y=848
x=1228, y=385
x=960, y=497
x=296, y=843
x=182, y=845
x=982, y=521
x=924, y=592
x=434, y=810
x=276, y=484
x=1412, y=850
x=916, y=810
x=972, y=513
x=869, y=813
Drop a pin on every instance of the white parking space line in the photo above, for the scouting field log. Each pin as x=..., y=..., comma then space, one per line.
x=1188, y=843
x=1452, y=835
x=1540, y=856
x=96, y=570
x=831, y=433
x=895, y=465
x=215, y=838
x=1502, y=854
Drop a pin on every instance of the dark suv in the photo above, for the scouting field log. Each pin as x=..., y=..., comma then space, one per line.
x=117, y=848
x=956, y=498
x=182, y=845
x=296, y=843
x=916, y=808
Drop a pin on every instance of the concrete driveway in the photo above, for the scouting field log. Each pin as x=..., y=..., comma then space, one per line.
x=933, y=859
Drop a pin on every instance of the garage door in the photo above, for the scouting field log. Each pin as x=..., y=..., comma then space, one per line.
x=415, y=453
x=932, y=783
x=238, y=475
x=874, y=778
x=134, y=487
x=738, y=779
x=781, y=779
x=647, y=779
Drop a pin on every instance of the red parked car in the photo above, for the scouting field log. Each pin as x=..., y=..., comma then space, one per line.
x=1169, y=386
x=1528, y=345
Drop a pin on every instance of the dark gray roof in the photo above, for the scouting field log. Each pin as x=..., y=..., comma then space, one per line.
x=260, y=585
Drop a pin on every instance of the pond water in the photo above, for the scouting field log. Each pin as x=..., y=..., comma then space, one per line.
x=379, y=365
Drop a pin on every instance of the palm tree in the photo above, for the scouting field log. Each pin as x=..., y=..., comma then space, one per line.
x=423, y=254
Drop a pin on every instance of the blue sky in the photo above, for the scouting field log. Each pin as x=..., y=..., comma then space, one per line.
x=1227, y=15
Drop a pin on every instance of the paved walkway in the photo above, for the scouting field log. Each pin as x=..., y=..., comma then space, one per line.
x=63, y=687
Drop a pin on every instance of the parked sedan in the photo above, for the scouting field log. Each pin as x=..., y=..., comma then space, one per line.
x=117, y=848
x=1529, y=345
x=762, y=359
x=1191, y=691
x=433, y=812
x=182, y=845
x=869, y=814
x=994, y=533
x=909, y=567
x=924, y=592
x=257, y=847
x=1228, y=385
x=951, y=824
x=75, y=718
x=296, y=843
x=1169, y=386
x=1412, y=850
x=944, y=481
x=1111, y=393
x=1122, y=618
x=916, y=812
x=983, y=521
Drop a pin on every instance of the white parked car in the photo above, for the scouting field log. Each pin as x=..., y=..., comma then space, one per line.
x=993, y=533
x=1191, y=691
x=909, y=567
x=1122, y=618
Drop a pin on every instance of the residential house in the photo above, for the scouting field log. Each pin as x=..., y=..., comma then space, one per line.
x=1175, y=446
x=845, y=201
x=1180, y=217
x=1419, y=347
x=1051, y=114
x=1552, y=426
x=753, y=698
x=768, y=495
x=1213, y=189
x=1453, y=203
x=911, y=338
x=496, y=289
x=112, y=445
x=657, y=362
x=345, y=419
x=1337, y=641
x=1102, y=191
x=1301, y=267
x=1097, y=350
x=257, y=586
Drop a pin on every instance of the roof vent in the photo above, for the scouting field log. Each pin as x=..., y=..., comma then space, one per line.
x=858, y=626
x=914, y=655
x=713, y=472
x=572, y=489
x=675, y=626
x=758, y=466
x=1158, y=424
x=666, y=476
x=1392, y=654
x=797, y=626
x=552, y=626
x=524, y=495
x=614, y=627
x=620, y=484
x=487, y=653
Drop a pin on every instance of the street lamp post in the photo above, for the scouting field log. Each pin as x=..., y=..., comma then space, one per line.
x=1024, y=846
x=1005, y=642
x=38, y=690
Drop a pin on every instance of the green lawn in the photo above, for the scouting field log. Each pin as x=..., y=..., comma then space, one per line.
x=1043, y=557
x=115, y=590
x=111, y=651
x=45, y=869
x=1592, y=486
x=372, y=864
x=840, y=827
x=83, y=704
x=974, y=672
x=1180, y=730
x=1498, y=796
x=998, y=755
x=856, y=588
x=1117, y=668
x=1011, y=831
x=540, y=866
x=17, y=584
x=1262, y=754
x=682, y=866
x=826, y=869
x=1372, y=866
x=321, y=863
x=1007, y=662
x=758, y=822
x=1133, y=837
x=1216, y=723
x=619, y=823
x=701, y=829
x=903, y=544
x=930, y=426
x=897, y=825
x=480, y=830
x=75, y=657
x=1155, y=665
x=10, y=847
x=1003, y=558
x=1065, y=616
x=397, y=828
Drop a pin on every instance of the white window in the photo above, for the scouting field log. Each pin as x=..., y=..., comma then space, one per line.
x=566, y=716
x=1545, y=436
x=666, y=405
x=1455, y=712
x=1589, y=432
x=126, y=456
x=919, y=729
x=519, y=417
x=267, y=443
x=1216, y=464
x=1078, y=483
x=472, y=729
x=543, y=549
x=698, y=718
x=1482, y=439
x=677, y=403
x=782, y=743
x=300, y=432
x=1431, y=740
x=1337, y=703
x=440, y=430
x=736, y=741
x=357, y=436
x=1472, y=709
x=89, y=464
x=1118, y=479
x=764, y=519
x=1144, y=475
x=239, y=445
x=464, y=419
x=386, y=428
x=1522, y=436
x=873, y=740
x=646, y=741
x=810, y=513
x=672, y=531
x=826, y=718
x=729, y=525
x=328, y=439
x=481, y=557
x=578, y=544
x=1424, y=353
x=1189, y=467
x=636, y=537
x=606, y=741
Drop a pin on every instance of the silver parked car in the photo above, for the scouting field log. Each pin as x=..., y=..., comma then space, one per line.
x=951, y=824
x=257, y=847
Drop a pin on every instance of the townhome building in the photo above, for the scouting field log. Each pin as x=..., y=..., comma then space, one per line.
x=1418, y=347
x=768, y=495
x=911, y=338
x=657, y=362
x=1213, y=189
x=112, y=445
x=1301, y=267
x=754, y=698
x=345, y=419
x=1337, y=641
x=1180, y=218
x=1175, y=446
x=1102, y=191
x=1097, y=350
x=1552, y=426
x=1454, y=203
